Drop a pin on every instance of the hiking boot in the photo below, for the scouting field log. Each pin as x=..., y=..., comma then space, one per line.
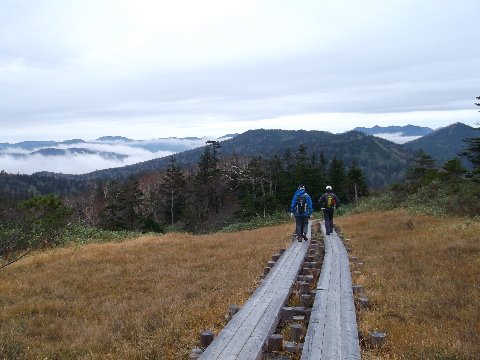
x=305, y=237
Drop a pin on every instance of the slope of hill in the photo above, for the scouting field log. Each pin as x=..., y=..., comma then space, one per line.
x=382, y=161
x=445, y=143
x=15, y=187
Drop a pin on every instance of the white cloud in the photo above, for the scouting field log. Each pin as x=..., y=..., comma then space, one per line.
x=397, y=137
x=20, y=160
x=68, y=164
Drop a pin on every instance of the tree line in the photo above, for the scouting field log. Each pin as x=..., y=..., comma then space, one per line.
x=449, y=189
x=216, y=192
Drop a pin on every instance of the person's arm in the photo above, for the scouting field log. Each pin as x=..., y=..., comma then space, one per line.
x=337, y=201
x=310, y=205
x=321, y=201
x=293, y=204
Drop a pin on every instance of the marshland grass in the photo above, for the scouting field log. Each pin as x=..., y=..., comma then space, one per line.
x=145, y=298
x=149, y=297
x=422, y=277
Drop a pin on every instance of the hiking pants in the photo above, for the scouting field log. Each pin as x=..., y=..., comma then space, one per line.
x=328, y=216
x=301, y=223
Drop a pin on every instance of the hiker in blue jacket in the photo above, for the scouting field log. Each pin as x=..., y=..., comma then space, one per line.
x=302, y=209
x=328, y=203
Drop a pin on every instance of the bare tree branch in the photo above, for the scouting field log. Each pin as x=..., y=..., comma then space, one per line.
x=15, y=260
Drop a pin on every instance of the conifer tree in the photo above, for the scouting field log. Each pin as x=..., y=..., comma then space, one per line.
x=423, y=168
x=288, y=182
x=124, y=206
x=172, y=190
x=356, y=184
x=472, y=152
x=301, y=165
x=453, y=169
x=337, y=178
x=207, y=190
x=319, y=176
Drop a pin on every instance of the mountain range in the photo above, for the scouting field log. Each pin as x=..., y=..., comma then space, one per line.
x=383, y=162
x=397, y=134
x=171, y=144
x=445, y=143
x=407, y=130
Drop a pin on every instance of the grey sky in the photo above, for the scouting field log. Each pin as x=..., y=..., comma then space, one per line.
x=153, y=68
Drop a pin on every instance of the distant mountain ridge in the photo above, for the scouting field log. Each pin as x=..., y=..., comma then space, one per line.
x=383, y=162
x=75, y=151
x=80, y=156
x=407, y=130
x=445, y=143
x=160, y=144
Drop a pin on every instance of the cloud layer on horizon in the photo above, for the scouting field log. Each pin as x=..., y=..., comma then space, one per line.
x=98, y=155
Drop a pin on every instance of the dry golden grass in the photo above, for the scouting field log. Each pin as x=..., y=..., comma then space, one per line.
x=146, y=298
x=422, y=275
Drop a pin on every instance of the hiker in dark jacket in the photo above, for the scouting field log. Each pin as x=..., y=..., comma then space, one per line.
x=302, y=209
x=328, y=203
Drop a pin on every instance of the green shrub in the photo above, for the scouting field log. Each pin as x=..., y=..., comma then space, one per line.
x=439, y=198
x=80, y=234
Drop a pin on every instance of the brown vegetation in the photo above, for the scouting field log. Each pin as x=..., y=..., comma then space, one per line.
x=422, y=276
x=140, y=299
x=150, y=297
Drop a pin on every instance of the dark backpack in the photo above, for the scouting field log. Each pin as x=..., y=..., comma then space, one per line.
x=301, y=204
x=330, y=201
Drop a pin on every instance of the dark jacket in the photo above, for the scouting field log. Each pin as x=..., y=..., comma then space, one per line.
x=323, y=200
x=293, y=206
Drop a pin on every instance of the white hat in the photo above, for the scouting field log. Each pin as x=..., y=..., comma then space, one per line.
x=328, y=187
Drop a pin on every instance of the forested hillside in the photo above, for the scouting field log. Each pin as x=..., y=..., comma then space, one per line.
x=22, y=187
x=446, y=143
x=382, y=161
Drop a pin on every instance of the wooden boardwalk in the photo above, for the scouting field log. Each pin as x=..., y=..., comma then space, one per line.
x=332, y=331
x=247, y=332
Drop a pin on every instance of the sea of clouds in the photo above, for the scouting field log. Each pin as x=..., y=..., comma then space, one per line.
x=97, y=155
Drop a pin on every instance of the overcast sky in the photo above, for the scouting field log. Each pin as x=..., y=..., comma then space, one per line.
x=151, y=68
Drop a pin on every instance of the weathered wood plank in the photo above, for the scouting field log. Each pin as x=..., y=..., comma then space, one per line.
x=244, y=336
x=332, y=330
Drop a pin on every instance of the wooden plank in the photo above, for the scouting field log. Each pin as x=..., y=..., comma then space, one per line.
x=318, y=319
x=244, y=336
x=332, y=330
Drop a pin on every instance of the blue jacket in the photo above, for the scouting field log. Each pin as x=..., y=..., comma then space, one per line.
x=294, y=204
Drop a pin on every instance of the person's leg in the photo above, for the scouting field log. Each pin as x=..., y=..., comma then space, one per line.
x=327, y=221
x=330, y=220
x=305, y=227
x=299, y=227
